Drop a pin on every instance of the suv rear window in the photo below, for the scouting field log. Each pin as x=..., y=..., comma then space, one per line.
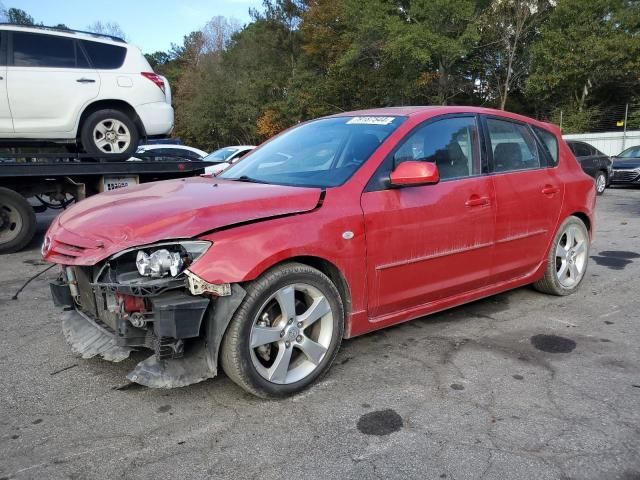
x=36, y=50
x=104, y=56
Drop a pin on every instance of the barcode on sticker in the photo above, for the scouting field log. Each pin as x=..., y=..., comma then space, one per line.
x=370, y=120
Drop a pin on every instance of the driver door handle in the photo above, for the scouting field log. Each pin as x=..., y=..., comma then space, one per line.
x=476, y=201
x=550, y=190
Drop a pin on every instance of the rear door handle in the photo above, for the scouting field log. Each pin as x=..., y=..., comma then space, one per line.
x=85, y=80
x=550, y=190
x=476, y=201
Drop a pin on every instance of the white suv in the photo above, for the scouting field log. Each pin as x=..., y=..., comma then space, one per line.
x=69, y=86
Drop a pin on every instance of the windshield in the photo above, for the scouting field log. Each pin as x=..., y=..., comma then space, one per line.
x=220, y=155
x=632, y=152
x=322, y=153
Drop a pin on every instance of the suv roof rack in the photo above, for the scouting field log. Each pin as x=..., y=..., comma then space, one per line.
x=65, y=30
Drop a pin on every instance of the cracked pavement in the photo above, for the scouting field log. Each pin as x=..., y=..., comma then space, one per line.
x=459, y=395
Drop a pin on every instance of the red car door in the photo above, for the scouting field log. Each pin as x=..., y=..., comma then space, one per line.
x=427, y=243
x=528, y=196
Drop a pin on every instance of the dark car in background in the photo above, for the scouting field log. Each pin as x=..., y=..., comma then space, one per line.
x=594, y=163
x=626, y=167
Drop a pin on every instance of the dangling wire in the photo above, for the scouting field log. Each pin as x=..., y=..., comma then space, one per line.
x=15, y=297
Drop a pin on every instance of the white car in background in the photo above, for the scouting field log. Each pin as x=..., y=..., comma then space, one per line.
x=222, y=158
x=78, y=87
x=168, y=152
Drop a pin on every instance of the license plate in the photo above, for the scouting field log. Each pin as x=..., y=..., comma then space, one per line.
x=113, y=182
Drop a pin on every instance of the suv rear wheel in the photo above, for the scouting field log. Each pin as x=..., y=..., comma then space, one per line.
x=109, y=132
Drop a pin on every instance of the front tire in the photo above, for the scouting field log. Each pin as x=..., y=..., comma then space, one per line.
x=109, y=132
x=286, y=333
x=567, y=259
x=601, y=182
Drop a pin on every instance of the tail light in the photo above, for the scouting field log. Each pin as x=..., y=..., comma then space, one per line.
x=155, y=78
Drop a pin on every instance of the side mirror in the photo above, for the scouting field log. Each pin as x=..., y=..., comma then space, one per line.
x=412, y=173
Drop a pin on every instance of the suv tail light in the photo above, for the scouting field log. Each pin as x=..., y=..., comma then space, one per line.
x=155, y=78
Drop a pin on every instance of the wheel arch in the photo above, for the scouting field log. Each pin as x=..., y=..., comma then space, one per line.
x=330, y=269
x=120, y=105
x=334, y=274
x=585, y=219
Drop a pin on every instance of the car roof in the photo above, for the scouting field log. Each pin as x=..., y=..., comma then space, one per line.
x=156, y=146
x=61, y=32
x=432, y=110
x=235, y=147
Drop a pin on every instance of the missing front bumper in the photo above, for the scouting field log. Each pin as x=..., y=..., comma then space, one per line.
x=176, y=315
x=88, y=339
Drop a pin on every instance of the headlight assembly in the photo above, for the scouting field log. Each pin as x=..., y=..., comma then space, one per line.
x=159, y=260
x=159, y=263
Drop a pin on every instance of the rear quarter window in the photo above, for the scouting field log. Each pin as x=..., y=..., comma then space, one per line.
x=549, y=141
x=104, y=56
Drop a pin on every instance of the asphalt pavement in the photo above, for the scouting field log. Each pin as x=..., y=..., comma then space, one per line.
x=517, y=386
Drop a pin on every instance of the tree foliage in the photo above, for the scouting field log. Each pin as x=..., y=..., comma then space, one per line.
x=588, y=54
x=107, y=28
x=299, y=59
x=18, y=17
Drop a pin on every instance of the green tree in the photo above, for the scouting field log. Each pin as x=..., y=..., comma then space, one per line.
x=438, y=36
x=507, y=28
x=588, y=53
x=19, y=17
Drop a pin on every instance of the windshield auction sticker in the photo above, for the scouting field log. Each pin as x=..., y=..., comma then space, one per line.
x=371, y=120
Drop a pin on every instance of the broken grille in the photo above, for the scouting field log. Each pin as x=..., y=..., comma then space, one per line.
x=92, y=303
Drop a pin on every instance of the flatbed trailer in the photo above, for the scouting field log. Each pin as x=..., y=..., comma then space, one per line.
x=33, y=182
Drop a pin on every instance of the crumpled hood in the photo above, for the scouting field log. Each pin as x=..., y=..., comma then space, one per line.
x=626, y=163
x=107, y=223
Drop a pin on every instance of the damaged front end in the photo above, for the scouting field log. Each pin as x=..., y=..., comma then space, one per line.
x=146, y=299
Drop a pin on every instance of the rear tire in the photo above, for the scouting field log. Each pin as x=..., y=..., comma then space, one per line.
x=109, y=132
x=601, y=182
x=17, y=221
x=567, y=259
x=286, y=333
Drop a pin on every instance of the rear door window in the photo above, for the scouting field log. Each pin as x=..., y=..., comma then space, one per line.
x=513, y=146
x=549, y=141
x=37, y=50
x=104, y=56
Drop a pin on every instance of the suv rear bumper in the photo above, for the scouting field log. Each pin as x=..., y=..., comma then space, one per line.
x=157, y=117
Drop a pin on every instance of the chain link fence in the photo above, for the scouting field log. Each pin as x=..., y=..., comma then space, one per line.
x=610, y=129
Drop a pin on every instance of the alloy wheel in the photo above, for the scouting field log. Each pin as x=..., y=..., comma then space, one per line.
x=571, y=256
x=111, y=136
x=601, y=183
x=291, y=334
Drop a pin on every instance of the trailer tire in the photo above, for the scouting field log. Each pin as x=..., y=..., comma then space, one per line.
x=17, y=221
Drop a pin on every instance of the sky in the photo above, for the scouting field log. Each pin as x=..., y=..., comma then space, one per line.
x=150, y=24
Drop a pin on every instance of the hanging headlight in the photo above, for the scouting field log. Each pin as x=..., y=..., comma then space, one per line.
x=169, y=258
x=159, y=263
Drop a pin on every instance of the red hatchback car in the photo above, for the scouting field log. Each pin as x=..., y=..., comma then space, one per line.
x=334, y=228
